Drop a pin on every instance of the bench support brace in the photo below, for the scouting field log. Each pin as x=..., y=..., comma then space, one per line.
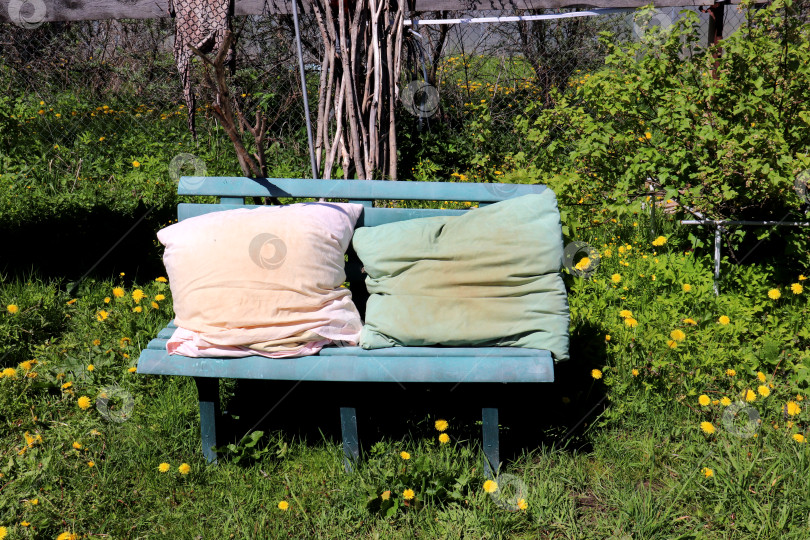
x=208, y=392
x=351, y=443
x=491, y=444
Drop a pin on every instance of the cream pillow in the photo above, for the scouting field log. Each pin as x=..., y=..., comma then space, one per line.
x=269, y=278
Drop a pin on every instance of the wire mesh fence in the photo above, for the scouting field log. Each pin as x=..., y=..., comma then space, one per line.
x=90, y=98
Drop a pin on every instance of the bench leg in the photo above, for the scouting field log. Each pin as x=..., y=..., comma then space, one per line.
x=491, y=443
x=208, y=392
x=351, y=443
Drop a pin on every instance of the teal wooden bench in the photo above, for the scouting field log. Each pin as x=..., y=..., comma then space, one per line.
x=398, y=364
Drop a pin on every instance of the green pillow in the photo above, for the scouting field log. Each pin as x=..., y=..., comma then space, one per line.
x=488, y=277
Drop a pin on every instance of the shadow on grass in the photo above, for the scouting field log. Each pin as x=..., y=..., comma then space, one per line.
x=530, y=415
x=66, y=246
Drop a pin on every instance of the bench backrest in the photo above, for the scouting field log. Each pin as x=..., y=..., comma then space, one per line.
x=233, y=190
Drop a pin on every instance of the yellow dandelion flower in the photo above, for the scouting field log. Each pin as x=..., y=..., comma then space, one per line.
x=161, y=279
x=405, y=455
x=583, y=264
x=67, y=385
x=796, y=288
x=607, y=337
x=677, y=335
x=798, y=437
x=164, y=467
x=77, y=445
x=408, y=494
x=133, y=369
x=731, y=372
x=704, y=400
x=160, y=297
x=118, y=292
x=725, y=402
x=774, y=294
x=707, y=472
x=631, y=322
x=138, y=295
x=4, y=532
x=634, y=372
x=106, y=299
x=102, y=315
x=136, y=164
x=648, y=135
x=67, y=536
x=441, y=425
x=764, y=391
x=625, y=314
x=596, y=374
x=444, y=438
x=723, y=320
x=490, y=486
x=184, y=468
x=693, y=322
x=28, y=365
x=12, y=308
x=283, y=505
x=707, y=427
x=84, y=403
x=96, y=342
x=522, y=504
x=155, y=305
x=660, y=241
x=672, y=343
x=793, y=408
x=749, y=395
x=801, y=277
x=137, y=309
x=761, y=376
x=616, y=278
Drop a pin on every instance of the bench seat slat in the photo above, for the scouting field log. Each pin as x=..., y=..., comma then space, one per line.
x=361, y=368
x=352, y=189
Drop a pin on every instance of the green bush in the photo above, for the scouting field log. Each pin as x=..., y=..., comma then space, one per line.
x=724, y=131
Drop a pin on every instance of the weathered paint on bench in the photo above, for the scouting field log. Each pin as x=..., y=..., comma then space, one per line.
x=352, y=364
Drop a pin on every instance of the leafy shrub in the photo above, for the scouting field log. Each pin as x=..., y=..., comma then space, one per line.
x=724, y=130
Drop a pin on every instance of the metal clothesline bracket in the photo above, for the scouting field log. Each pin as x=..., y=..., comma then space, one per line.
x=721, y=225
